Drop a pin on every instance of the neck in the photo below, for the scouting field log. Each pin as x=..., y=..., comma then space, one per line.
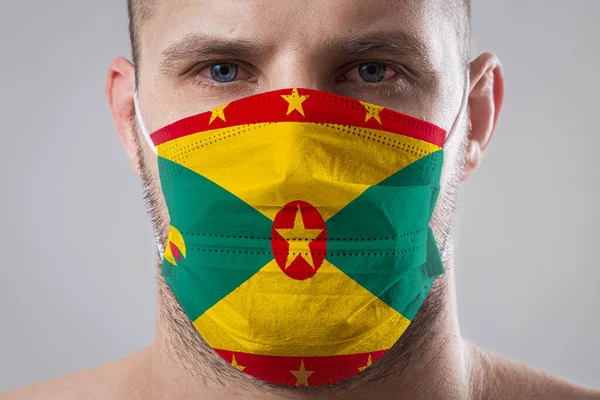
x=430, y=361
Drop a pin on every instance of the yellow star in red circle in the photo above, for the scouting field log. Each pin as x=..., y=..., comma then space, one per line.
x=295, y=101
x=299, y=238
x=218, y=112
x=302, y=375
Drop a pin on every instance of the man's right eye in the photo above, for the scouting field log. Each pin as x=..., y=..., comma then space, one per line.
x=223, y=72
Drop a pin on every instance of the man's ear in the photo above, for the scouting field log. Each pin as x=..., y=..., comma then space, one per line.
x=119, y=90
x=485, y=101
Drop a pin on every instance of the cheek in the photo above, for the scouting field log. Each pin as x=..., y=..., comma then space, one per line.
x=454, y=157
x=154, y=175
x=435, y=108
x=440, y=109
x=151, y=176
x=441, y=104
x=151, y=163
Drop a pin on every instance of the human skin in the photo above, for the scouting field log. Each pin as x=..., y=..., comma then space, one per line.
x=431, y=360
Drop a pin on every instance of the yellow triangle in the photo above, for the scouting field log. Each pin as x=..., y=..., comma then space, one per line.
x=273, y=314
x=268, y=165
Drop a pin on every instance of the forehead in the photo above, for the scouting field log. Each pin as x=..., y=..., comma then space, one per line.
x=302, y=25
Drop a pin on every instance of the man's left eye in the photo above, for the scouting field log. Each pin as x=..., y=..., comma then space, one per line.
x=371, y=72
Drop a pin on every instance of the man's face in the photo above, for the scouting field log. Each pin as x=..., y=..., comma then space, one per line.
x=314, y=44
x=406, y=55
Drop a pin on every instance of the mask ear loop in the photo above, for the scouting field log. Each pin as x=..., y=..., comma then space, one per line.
x=159, y=246
x=461, y=111
x=140, y=120
x=455, y=125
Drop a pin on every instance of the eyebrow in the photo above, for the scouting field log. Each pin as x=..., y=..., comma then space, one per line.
x=198, y=46
x=395, y=42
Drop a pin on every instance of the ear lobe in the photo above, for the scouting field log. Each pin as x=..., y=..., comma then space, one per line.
x=119, y=90
x=485, y=101
x=472, y=158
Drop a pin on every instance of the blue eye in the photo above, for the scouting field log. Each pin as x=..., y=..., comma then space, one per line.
x=372, y=71
x=224, y=72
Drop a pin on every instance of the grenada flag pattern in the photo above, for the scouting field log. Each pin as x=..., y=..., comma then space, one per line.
x=299, y=264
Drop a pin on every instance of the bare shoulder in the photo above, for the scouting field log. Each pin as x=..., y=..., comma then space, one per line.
x=109, y=381
x=499, y=377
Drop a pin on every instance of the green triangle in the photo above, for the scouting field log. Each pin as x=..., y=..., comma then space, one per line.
x=227, y=240
x=382, y=239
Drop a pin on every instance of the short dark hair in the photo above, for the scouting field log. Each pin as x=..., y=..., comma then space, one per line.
x=140, y=11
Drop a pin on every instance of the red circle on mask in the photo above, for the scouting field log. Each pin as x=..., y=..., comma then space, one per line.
x=299, y=240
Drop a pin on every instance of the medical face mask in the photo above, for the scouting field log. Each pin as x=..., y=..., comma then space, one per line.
x=299, y=245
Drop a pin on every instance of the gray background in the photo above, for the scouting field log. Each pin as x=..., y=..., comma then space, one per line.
x=77, y=288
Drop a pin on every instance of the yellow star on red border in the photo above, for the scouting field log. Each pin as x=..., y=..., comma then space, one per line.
x=372, y=111
x=295, y=101
x=235, y=364
x=218, y=112
x=302, y=375
x=369, y=363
